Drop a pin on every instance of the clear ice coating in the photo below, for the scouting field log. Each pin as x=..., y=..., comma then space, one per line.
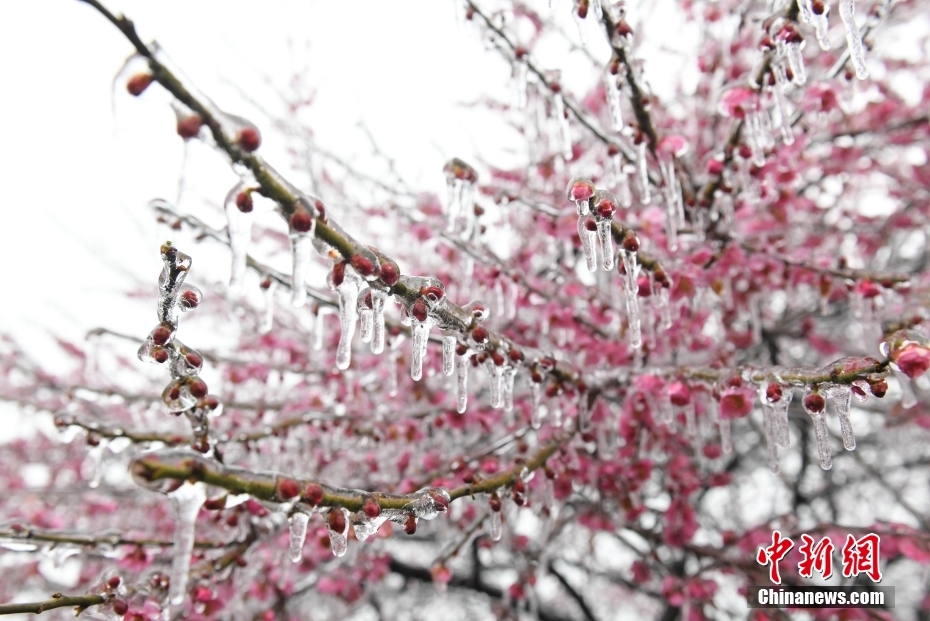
x=338, y=542
x=841, y=396
x=239, y=229
x=298, y=533
x=448, y=352
x=268, y=317
x=420, y=330
x=643, y=172
x=588, y=242
x=348, y=315
x=462, y=384
x=820, y=22
x=908, y=398
x=853, y=38
x=792, y=51
x=187, y=501
x=631, y=269
x=377, y=336
x=495, y=527
x=606, y=241
x=301, y=247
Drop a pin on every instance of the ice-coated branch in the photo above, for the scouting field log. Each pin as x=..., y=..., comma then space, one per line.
x=154, y=469
x=273, y=186
x=80, y=603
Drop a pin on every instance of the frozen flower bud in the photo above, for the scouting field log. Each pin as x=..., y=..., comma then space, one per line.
x=630, y=242
x=197, y=388
x=189, y=127
x=389, y=273
x=495, y=502
x=909, y=350
x=736, y=402
x=818, y=7
x=113, y=582
x=878, y=387
x=189, y=299
x=410, y=526
x=338, y=275
x=244, y=201
x=248, y=139
x=120, y=607
x=590, y=224
x=371, y=508
x=419, y=310
x=337, y=520
x=814, y=403
x=432, y=294
x=287, y=489
x=363, y=265
x=679, y=393
x=515, y=355
x=162, y=334
x=313, y=495
x=480, y=335
x=773, y=393
x=160, y=355
x=440, y=500
x=301, y=220
x=215, y=504
x=580, y=189
x=138, y=83
x=461, y=349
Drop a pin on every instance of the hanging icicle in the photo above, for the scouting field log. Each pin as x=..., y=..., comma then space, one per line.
x=853, y=38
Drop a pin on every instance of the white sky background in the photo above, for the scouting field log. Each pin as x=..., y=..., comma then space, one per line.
x=76, y=232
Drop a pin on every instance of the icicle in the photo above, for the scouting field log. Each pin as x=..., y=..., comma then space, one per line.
x=754, y=135
x=495, y=528
x=641, y=167
x=822, y=27
x=420, y=331
x=238, y=208
x=95, y=459
x=661, y=301
x=268, y=288
x=448, y=352
x=726, y=443
x=796, y=62
x=462, y=384
x=670, y=189
x=581, y=190
x=605, y=237
x=806, y=10
x=367, y=320
x=298, y=533
x=598, y=9
x=496, y=375
x=535, y=413
x=622, y=180
x=613, y=101
x=564, y=129
x=780, y=419
x=853, y=38
x=377, y=337
x=519, y=79
x=187, y=501
x=580, y=22
x=781, y=80
x=510, y=374
x=460, y=181
x=587, y=230
x=814, y=406
x=841, y=397
x=771, y=444
x=319, y=326
x=631, y=285
x=338, y=541
x=556, y=414
x=348, y=315
x=301, y=247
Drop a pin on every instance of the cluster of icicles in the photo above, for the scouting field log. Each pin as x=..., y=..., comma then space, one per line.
x=775, y=393
x=596, y=208
x=297, y=500
x=186, y=393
